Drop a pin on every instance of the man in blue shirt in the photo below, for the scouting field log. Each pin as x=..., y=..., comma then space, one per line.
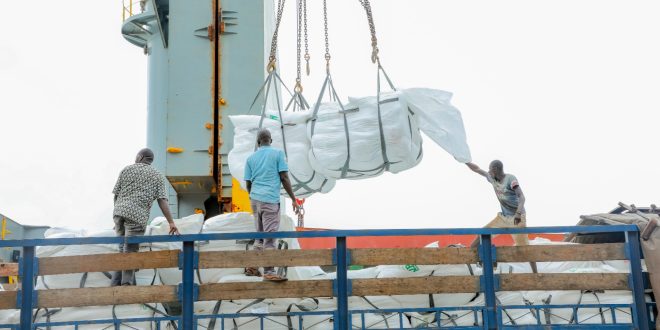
x=265, y=172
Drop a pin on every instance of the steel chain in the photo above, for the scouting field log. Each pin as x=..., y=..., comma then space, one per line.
x=307, y=57
x=298, y=87
x=273, y=44
x=327, y=42
x=372, y=29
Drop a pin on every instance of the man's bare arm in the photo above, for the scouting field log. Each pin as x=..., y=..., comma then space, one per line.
x=165, y=208
x=248, y=185
x=286, y=183
x=476, y=169
x=521, y=205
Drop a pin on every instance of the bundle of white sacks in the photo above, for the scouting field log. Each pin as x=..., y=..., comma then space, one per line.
x=355, y=140
x=243, y=222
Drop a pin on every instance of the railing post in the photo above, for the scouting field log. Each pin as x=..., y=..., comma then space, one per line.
x=342, y=284
x=640, y=311
x=488, y=281
x=27, y=287
x=188, y=286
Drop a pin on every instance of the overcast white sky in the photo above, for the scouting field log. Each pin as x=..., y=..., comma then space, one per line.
x=564, y=92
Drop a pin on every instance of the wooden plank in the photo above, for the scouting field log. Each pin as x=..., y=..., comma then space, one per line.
x=8, y=300
x=118, y=295
x=572, y=252
x=238, y=259
x=417, y=256
x=415, y=285
x=108, y=262
x=256, y=290
x=583, y=281
x=8, y=269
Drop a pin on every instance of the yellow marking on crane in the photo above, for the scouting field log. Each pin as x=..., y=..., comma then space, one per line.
x=240, y=199
x=4, y=232
x=174, y=150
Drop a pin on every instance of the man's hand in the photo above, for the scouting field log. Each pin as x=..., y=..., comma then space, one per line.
x=174, y=229
x=476, y=169
x=296, y=207
x=517, y=219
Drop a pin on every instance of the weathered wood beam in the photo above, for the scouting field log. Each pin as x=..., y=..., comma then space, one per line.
x=108, y=262
x=542, y=282
x=256, y=290
x=117, y=295
x=237, y=259
x=415, y=285
x=8, y=269
x=404, y=256
x=572, y=252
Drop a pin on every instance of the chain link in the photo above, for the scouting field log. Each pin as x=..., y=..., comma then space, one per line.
x=307, y=57
x=298, y=33
x=327, y=42
x=273, y=44
x=372, y=29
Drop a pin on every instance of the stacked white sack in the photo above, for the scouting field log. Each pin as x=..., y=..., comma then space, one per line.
x=468, y=317
x=224, y=223
x=304, y=179
x=260, y=306
x=358, y=143
x=102, y=313
x=435, y=300
x=83, y=280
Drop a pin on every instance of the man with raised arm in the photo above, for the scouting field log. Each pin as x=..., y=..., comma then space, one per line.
x=137, y=187
x=510, y=196
x=265, y=172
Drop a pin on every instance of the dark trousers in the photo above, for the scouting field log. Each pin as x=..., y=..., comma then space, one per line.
x=126, y=277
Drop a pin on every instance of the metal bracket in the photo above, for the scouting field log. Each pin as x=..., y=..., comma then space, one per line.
x=335, y=259
x=179, y=291
x=205, y=32
x=35, y=266
x=496, y=282
x=195, y=260
x=19, y=298
x=349, y=287
x=493, y=253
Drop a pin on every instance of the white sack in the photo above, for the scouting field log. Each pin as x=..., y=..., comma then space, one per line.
x=358, y=140
x=439, y=120
x=102, y=313
x=304, y=179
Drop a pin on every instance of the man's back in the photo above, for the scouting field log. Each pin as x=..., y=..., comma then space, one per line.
x=138, y=186
x=263, y=170
x=506, y=194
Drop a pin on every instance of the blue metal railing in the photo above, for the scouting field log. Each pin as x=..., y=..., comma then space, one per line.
x=490, y=312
